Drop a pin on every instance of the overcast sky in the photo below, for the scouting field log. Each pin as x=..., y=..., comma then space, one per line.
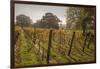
x=35, y=12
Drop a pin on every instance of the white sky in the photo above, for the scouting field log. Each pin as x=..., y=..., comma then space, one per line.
x=35, y=12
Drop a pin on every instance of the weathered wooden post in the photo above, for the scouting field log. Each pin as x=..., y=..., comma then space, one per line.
x=89, y=42
x=71, y=44
x=34, y=36
x=91, y=37
x=84, y=42
x=49, y=46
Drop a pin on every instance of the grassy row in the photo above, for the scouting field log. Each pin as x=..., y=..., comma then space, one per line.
x=28, y=53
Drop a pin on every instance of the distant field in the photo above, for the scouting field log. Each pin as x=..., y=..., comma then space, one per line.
x=31, y=46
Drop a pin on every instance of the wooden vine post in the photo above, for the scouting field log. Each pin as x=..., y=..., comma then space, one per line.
x=71, y=44
x=84, y=42
x=49, y=46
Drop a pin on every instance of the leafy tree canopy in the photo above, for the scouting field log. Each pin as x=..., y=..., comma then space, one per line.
x=23, y=20
x=49, y=20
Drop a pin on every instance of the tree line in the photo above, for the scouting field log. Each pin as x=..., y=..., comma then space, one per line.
x=49, y=20
x=76, y=18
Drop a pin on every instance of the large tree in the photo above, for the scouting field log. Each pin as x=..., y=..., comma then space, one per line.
x=49, y=20
x=23, y=20
x=89, y=19
x=80, y=17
